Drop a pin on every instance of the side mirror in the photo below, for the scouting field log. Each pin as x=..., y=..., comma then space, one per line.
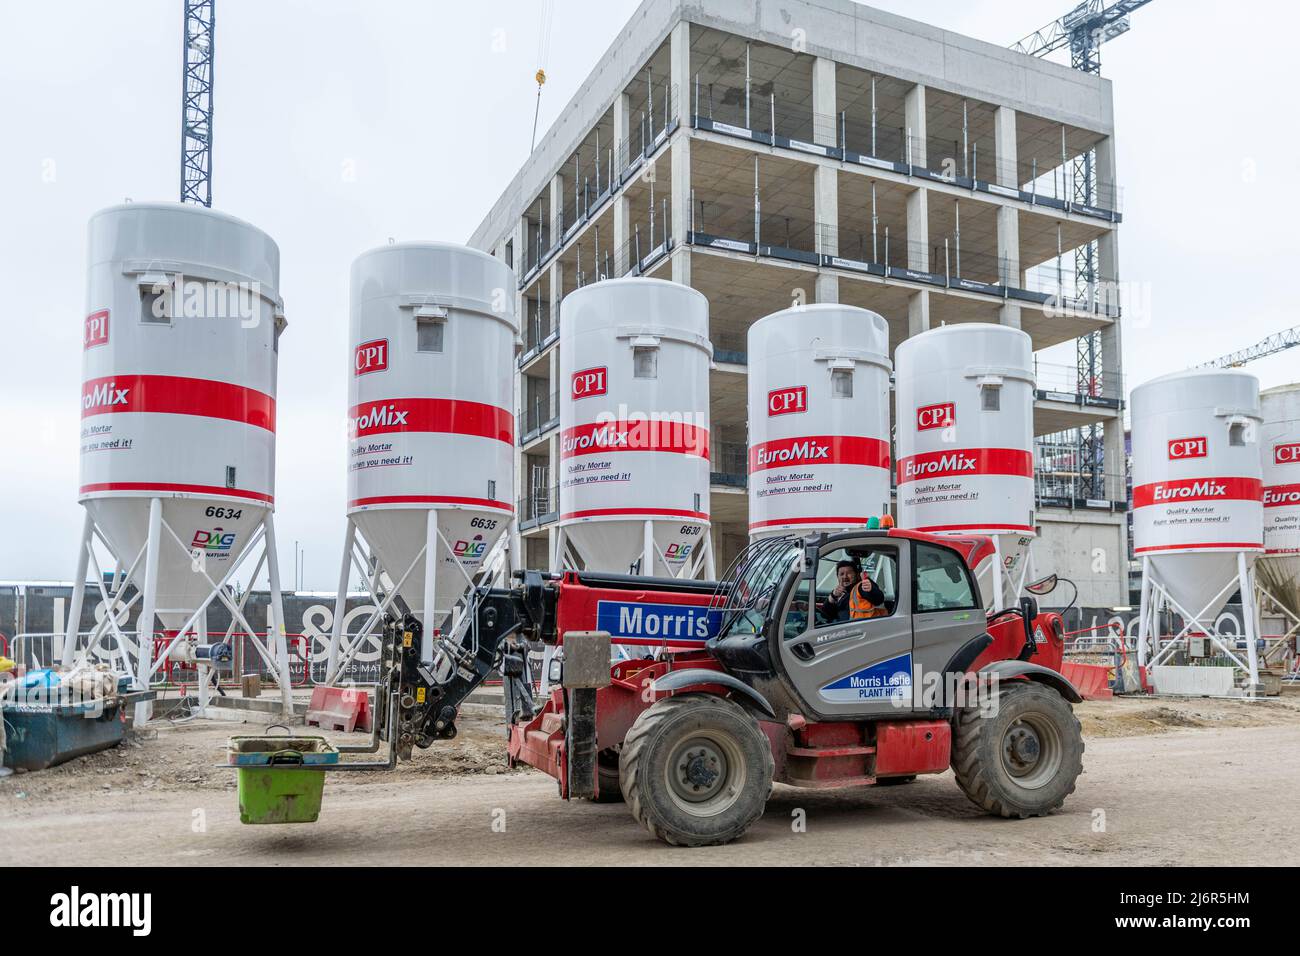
x=809, y=566
x=1043, y=585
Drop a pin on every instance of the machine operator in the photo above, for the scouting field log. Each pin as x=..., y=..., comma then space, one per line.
x=855, y=597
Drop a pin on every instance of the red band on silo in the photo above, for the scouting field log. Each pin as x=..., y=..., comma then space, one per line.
x=177, y=395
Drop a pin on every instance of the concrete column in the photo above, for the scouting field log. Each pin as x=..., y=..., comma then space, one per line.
x=914, y=120
x=827, y=288
x=1009, y=261
x=679, y=59
x=558, y=219
x=826, y=213
x=680, y=204
x=918, y=312
x=1107, y=197
x=825, y=122
x=826, y=209
x=918, y=231
x=621, y=213
x=557, y=291
x=1006, y=172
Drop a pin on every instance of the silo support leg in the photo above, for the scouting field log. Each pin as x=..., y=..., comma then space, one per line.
x=73, y=626
x=148, y=602
x=340, y=604
x=277, y=610
x=1144, y=613
x=430, y=585
x=1249, y=618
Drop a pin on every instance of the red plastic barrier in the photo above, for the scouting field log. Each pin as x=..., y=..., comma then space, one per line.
x=339, y=708
x=1091, y=680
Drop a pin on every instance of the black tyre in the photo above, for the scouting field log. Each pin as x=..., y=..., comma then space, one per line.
x=607, y=788
x=1022, y=759
x=696, y=770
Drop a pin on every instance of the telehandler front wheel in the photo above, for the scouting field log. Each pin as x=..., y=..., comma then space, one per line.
x=1020, y=758
x=696, y=770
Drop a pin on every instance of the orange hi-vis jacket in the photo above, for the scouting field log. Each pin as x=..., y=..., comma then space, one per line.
x=860, y=605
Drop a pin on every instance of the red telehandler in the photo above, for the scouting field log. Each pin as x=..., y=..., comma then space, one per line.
x=757, y=680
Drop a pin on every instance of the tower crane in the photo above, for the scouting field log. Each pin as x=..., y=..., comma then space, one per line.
x=196, y=102
x=1083, y=30
x=1278, y=342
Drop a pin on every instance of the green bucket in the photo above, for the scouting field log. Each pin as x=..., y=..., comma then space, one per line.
x=274, y=786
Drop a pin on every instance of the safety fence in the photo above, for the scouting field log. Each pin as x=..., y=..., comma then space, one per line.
x=307, y=653
x=1065, y=182
x=538, y=416
x=539, y=507
x=596, y=177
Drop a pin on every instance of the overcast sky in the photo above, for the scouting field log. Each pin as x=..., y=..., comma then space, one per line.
x=341, y=123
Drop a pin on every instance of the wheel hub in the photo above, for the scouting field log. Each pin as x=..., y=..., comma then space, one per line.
x=1022, y=749
x=698, y=771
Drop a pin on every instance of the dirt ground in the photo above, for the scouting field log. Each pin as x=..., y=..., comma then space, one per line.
x=1167, y=782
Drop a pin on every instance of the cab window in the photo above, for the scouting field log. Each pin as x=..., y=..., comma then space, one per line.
x=840, y=574
x=943, y=582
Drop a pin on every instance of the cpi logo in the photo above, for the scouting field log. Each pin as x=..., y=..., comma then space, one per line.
x=370, y=357
x=1286, y=454
x=1187, y=448
x=214, y=541
x=467, y=550
x=96, y=330
x=935, y=416
x=787, y=401
x=588, y=382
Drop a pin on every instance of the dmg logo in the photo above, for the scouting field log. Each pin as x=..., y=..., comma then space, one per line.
x=1187, y=448
x=787, y=401
x=1286, y=454
x=216, y=540
x=588, y=382
x=935, y=416
x=678, y=552
x=96, y=330
x=370, y=357
x=467, y=550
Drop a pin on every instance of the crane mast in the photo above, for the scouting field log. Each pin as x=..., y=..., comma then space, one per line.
x=1083, y=30
x=196, y=102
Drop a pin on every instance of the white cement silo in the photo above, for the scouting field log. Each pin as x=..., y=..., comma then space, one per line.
x=634, y=428
x=1197, y=505
x=1279, y=567
x=430, y=431
x=964, y=402
x=818, y=420
x=180, y=345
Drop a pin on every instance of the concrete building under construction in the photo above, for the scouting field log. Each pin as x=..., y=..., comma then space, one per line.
x=773, y=154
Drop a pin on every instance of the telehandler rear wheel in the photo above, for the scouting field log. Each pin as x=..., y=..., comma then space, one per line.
x=696, y=770
x=1022, y=757
x=608, y=790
